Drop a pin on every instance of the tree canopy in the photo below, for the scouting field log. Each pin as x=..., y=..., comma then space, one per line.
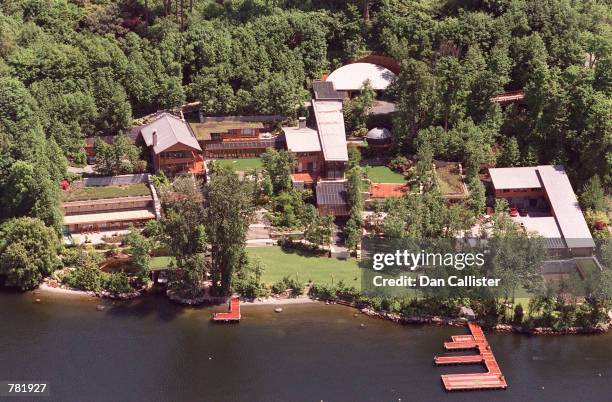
x=28, y=252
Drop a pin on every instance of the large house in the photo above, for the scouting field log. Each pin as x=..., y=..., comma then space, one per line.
x=548, y=204
x=172, y=146
x=321, y=152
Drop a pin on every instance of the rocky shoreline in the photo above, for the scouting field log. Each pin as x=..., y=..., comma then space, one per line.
x=267, y=301
x=459, y=322
x=393, y=317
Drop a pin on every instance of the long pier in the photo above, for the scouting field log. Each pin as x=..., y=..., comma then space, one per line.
x=492, y=379
x=233, y=315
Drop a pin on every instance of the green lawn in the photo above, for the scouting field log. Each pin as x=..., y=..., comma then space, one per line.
x=382, y=174
x=98, y=192
x=241, y=164
x=279, y=263
x=160, y=262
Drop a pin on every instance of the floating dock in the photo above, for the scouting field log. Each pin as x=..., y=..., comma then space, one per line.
x=492, y=379
x=233, y=315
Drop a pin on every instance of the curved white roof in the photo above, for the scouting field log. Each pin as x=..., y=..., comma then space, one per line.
x=379, y=133
x=352, y=76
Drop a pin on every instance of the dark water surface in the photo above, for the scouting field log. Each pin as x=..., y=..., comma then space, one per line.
x=151, y=350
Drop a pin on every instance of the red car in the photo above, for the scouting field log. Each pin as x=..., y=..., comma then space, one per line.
x=514, y=212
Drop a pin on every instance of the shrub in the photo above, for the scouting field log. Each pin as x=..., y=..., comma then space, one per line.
x=116, y=283
x=249, y=287
x=290, y=245
x=288, y=283
x=322, y=291
x=86, y=277
x=518, y=314
x=399, y=164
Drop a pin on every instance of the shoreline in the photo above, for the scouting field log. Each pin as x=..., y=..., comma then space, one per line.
x=44, y=287
x=271, y=301
x=382, y=315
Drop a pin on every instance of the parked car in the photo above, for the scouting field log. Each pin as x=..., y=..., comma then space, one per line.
x=522, y=211
x=514, y=212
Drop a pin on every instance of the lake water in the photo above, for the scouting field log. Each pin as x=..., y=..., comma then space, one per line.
x=151, y=350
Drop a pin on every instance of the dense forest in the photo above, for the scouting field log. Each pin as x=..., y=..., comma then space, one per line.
x=76, y=68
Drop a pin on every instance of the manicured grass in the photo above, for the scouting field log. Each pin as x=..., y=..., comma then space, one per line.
x=241, y=164
x=161, y=262
x=98, y=192
x=449, y=179
x=279, y=263
x=382, y=174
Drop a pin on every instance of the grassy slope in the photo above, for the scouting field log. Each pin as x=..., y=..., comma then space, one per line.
x=318, y=269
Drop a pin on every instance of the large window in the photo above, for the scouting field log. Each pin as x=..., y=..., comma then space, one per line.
x=175, y=155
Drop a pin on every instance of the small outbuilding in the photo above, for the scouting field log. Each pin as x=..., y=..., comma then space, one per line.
x=379, y=138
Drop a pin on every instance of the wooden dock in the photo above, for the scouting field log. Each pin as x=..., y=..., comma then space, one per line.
x=233, y=315
x=492, y=379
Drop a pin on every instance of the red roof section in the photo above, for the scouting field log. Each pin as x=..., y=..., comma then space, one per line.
x=305, y=177
x=388, y=190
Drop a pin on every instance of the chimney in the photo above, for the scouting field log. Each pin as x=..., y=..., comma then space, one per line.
x=302, y=122
x=154, y=138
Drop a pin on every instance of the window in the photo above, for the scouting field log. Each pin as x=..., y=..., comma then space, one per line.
x=174, y=155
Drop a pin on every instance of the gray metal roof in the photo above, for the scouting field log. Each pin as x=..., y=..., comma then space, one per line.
x=302, y=139
x=332, y=134
x=332, y=193
x=561, y=197
x=170, y=130
x=514, y=178
x=324, y=90
x=565, y=206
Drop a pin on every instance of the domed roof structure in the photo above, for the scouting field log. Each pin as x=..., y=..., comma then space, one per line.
x=352, y=76
x=378, y=133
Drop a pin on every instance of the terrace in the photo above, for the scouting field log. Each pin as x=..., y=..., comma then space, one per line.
x=100, y=192
x=204, y=131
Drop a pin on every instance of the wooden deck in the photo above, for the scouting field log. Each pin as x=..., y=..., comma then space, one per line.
x=233, y=315
x=492, y=379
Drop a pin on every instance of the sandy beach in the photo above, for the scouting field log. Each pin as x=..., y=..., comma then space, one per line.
x=272, y=301
x=44, y=287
